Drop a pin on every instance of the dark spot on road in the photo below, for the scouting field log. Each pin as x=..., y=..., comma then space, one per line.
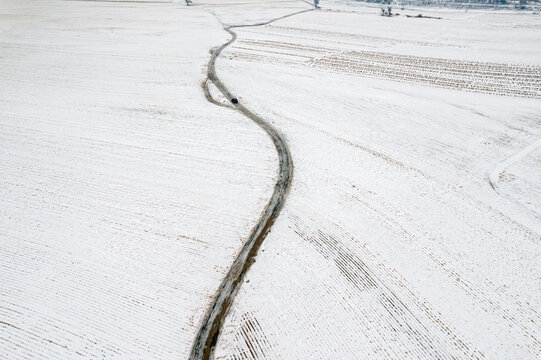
x=234, y=101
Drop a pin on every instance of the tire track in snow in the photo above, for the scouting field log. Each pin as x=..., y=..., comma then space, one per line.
x=205, y=341
x=496, y=171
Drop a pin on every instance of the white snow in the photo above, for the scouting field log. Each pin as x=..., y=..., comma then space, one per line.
x=518, y=177
x=411, y=229
x=124, y=194
x=392, y=243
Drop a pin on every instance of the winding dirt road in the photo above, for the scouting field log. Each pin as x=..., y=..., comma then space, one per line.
x=208, y=333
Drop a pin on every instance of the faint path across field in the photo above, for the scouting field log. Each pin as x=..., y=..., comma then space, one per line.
x=208, y=333
x=498, y=175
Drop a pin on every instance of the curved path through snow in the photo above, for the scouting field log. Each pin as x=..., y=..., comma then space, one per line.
x=208, y=333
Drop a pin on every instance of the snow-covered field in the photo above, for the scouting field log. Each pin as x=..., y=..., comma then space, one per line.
x=124, y=194
x=412, y=227
x=393, y=243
